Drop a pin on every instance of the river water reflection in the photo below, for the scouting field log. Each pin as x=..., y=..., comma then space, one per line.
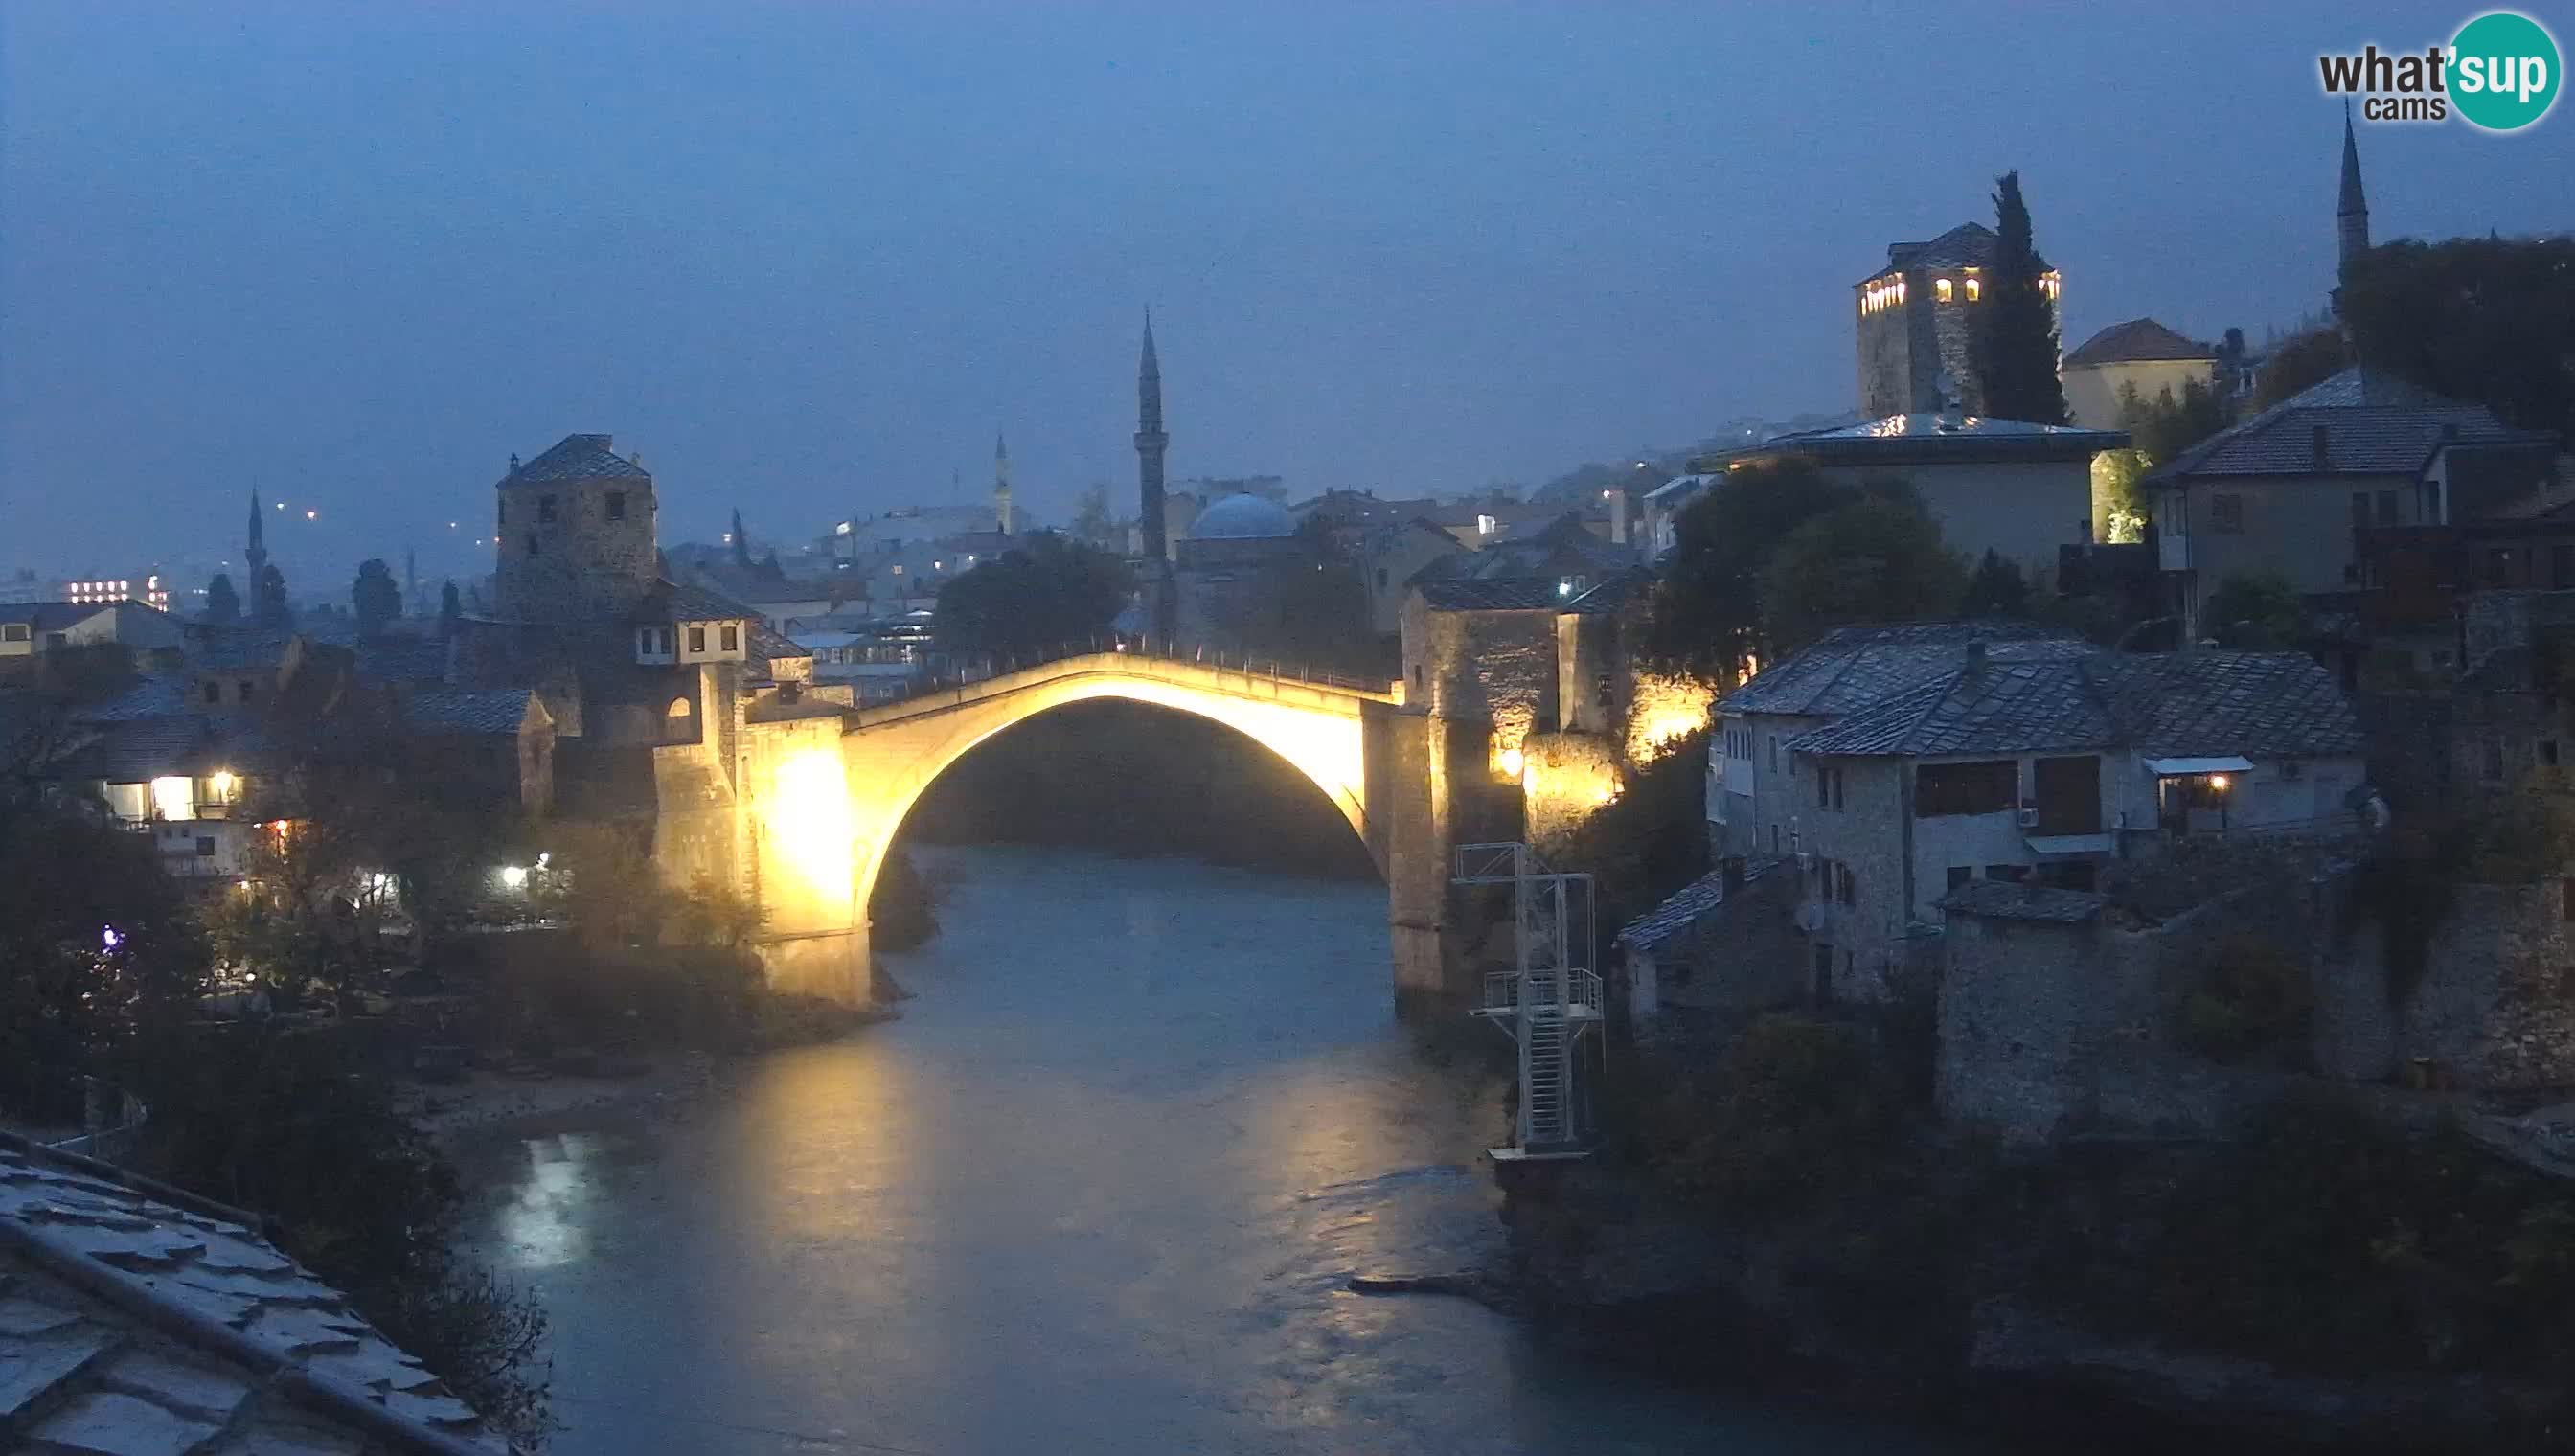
x=1098, y=1191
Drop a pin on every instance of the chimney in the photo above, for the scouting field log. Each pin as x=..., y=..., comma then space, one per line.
x=1618, y=517
x=2324, y=448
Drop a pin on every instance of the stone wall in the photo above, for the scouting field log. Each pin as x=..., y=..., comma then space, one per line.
x=1743, y=955
x=1497, y=667
x=2492, y=1008
x=1565, y=779
x=585, y=565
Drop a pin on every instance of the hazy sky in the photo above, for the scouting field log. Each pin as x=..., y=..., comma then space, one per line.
x=808, y=256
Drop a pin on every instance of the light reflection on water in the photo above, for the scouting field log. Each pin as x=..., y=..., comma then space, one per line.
x=1098, y=1191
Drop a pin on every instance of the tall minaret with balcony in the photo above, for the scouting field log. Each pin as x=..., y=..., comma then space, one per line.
x=1151, y=444
x=255, y=555
x=2351, y=213
x=1001, y=484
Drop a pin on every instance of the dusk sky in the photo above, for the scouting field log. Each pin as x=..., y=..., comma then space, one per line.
x=807, y=258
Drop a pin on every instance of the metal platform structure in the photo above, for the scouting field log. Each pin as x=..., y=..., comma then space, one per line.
x=1550, y=1002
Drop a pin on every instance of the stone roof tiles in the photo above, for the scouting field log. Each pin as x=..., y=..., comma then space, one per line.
x=1682, y=910
x=2369, y=423
x=2003, y=900
x=1492, y=594
x=1854, y=666
x=472, y=711
x=1968, y=245
x=2276, y=704
x=141, y=1324
x=2135, y=341
x=579, y=458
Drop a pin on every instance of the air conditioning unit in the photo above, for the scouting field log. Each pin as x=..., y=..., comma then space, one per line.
x=2030, y=818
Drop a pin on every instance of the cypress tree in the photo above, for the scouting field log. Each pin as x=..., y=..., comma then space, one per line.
x=2014, y=347
x=223, y=603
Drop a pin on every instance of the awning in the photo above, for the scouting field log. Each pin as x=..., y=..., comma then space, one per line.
x=2171, y=768
x=2069, y=844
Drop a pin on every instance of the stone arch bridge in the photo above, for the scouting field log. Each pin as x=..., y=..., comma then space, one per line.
x=831, y=787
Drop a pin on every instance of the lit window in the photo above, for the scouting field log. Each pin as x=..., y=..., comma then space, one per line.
x=1942, y=286
x=731, y=636
x=1484, y=526
x=1975, y=289
x=679, y=708
x=174, y=797
x=697, y=640
x=843, y=527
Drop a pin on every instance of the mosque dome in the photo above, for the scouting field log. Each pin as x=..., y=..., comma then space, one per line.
x=1243, y=518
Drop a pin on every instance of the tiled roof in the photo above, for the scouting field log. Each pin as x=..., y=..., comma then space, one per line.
x=52, y=615
x=233, y=649
x=468, y=711
x=415, y=659
x=677, y=601
x=1968, y=245
x=2003, y=900
x=1623, y=588
x=1492, y=594
x=1925, y=437
x=1854, y=666
x=2180, y=704
x=2374, y=423
x=135, y=1323
x=1682, y=910
x=2137, y=341
x=153, y=694
x=579, y=458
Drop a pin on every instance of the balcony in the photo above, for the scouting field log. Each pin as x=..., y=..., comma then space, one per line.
x=1504, y=990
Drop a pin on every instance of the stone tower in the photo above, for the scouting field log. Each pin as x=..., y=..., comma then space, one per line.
x=1151, y=443
x=255, y=555
x=2351, y=215
x=576, y=534
x=1001, y=484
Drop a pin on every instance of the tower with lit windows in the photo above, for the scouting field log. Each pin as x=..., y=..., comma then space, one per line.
x=1914, y=316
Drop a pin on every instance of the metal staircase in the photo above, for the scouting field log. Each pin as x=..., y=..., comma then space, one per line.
x=1550, y=1001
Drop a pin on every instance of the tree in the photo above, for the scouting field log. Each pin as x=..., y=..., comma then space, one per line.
x=2163, y=427
x=1879, y=558
x=451, y=609
x=1706, y=618
x=374, y=597
x=2298, y=363
x=2013, y=348
x=223, y=604
x=2485, y=319
x=267, y=599
x=2254, y=610
x=1996, y=590
x=1044, y=591
x=1091, y=519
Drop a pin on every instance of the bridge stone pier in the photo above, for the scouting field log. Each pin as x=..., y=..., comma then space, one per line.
x=816, y=830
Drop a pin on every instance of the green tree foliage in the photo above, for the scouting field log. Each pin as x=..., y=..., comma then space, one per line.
x=1092, y=519
x=1996, y=590
x=292, y=1125
x=374, y=597
x=1644, y=845
x=1041, y=594
x=2013, y=348
x=2249, y=995
x=1879, y=558
x=2485, y=319
x=1792, y=1115
x=2164, y=427
x=1706, y=614
x=71, y=882
x=2254, y=610
x=223, y=603
x=267, y=599
x=2299, y=363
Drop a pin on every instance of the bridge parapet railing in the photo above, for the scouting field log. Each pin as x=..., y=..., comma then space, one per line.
x=986, y=667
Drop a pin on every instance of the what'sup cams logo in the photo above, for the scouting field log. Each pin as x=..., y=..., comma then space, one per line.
x=2499, y=73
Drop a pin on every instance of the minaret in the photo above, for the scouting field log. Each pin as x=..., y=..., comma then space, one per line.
x=256, y=554
x=2351, y=215
x=1001, y=484
x=1151, y=443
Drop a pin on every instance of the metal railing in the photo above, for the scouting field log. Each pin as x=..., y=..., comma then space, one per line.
x=1505, y=991
x=983, y=668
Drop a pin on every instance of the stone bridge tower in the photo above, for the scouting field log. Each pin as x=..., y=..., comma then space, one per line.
x=575, y=535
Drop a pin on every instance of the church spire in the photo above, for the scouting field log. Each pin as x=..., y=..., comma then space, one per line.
x=2351, y=215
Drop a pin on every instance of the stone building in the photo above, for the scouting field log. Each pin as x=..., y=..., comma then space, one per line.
x=1914, y=319
x=575, y=529
x=2139, y=355
x=1232, y=570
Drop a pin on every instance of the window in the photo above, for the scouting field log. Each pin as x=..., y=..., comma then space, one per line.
x=532, y=543
x=2360, y=510
x=2498, y=565
x=1960, y=873
x=15, y=632
x=545, y=508
x=617, y=504
x=1823, y=794
x=1417, y=675
x=504, y=513
x=213, y=692
x=2566, y=899
x=1941, y=287
x=697, y=640
x=1838, y=785
x=731, y=636
x=2561, y=567
x=1775, y=753
x=1823, y=987
x=1850, y=887
x=2226, y=514
x=2387, y=508
x=205, y=846
x=679, y=708
x=2548, y=752
x=243, y=689
x=1604, y=692
x=1484, y=526
x=1975, y=289
x=1966, y=788
x=1774, y=839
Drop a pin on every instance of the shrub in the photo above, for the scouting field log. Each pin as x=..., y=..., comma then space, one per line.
x=2249, y=994
x=1793, y=1113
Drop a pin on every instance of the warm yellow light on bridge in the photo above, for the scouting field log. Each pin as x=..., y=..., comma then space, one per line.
x=811, y=823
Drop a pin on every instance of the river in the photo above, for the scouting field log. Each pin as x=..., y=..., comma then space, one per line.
x=1098, y=1191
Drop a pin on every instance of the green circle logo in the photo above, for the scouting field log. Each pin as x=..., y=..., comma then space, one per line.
x=2503, y=71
